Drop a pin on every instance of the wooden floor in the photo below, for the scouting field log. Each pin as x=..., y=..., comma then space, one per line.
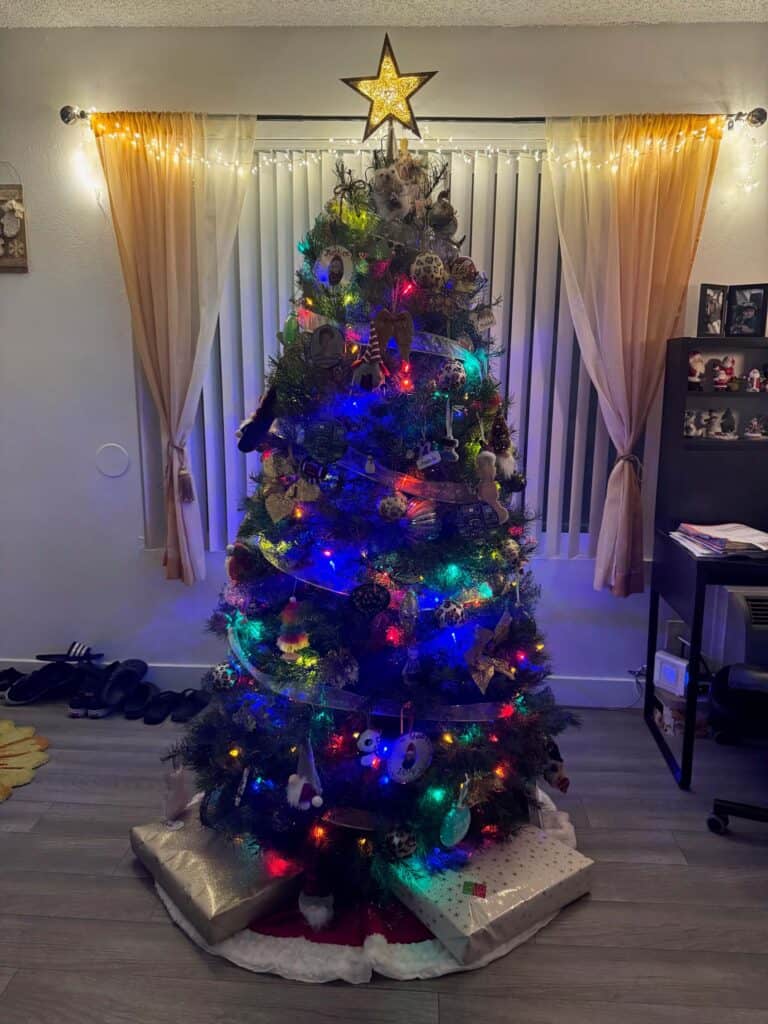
x=676, y=928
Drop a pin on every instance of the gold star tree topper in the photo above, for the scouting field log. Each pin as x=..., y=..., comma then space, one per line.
x=389, y=93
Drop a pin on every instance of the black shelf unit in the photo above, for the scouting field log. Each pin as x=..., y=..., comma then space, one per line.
x=702, y=480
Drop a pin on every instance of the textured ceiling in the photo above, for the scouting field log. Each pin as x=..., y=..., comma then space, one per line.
x=220, y=13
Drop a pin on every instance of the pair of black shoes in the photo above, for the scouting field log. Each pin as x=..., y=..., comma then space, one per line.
x=121, y=686
x=56, y=680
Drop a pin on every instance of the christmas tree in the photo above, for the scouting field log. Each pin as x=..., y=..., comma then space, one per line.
x=383, y=698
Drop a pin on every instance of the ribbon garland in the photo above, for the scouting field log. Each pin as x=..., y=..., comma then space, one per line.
x=336, y=699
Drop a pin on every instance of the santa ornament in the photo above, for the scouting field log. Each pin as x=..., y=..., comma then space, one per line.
x=304, y=790
x=370, y=371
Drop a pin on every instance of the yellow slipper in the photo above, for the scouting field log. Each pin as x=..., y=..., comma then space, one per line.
x=21, y=752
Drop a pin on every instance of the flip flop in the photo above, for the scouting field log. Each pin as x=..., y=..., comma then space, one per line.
x=137, y=703
x=77, y=652
x=192, y=703
x=47, y=683
x=120, y=680
x=161, y=705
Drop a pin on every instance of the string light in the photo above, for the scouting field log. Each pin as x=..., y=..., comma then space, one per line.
x=318, y=833
x=234, y=752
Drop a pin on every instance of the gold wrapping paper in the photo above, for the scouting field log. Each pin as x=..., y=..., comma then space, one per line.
x=500, y=893
x=216, y=884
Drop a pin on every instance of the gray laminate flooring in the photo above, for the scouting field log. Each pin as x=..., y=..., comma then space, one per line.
x=675, y=930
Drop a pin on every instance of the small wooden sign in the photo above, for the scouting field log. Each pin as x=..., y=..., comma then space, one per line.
x=13, y=230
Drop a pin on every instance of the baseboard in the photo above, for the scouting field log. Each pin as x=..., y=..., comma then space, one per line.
x=572, y=691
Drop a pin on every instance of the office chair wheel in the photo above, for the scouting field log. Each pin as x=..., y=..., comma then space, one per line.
x=718, y=823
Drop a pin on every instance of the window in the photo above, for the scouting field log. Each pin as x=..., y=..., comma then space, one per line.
x=506, y=214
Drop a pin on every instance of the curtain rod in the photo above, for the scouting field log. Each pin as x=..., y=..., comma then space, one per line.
x=71, y=114
x=755, y=118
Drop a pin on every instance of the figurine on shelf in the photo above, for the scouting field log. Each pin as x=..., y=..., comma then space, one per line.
x=754, y=380
x=690, y=428
x=714, y=419
x=696, y=369
x=728, y=363
x=728, y=426
x=721, y=377
x=754, y=431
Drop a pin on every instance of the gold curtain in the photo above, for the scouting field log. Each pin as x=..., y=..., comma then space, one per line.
x=630, y=197
x=175, y=211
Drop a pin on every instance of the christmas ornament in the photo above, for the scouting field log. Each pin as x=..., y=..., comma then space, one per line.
x=370, y=371
x=389, y=92
x=304, y=789
x=423, y=523
x=482, y=318
x=554, y=773
x=427, y=455
x=243, y=562
x=253, y=433
x=292, y=638
x=481, y=657
x=393, y=507
x=449, y=613
x=464, y=273
x=222, y=677
x=409, y=757
x=486, y=488
x=398, y=326
x=334, y=266
x=389, y=194
x=370, y=464
x=428, y=271
x=452, y=376
x=313, y=470
x=412, y=670
x=326, y=347
x=409, y=610
x=339, y=668
x=368, y=744
x=500, y=443
x=449, y=445
x=370, y=599
x=456, y=822
x=474, y=520
x=399, y=843
x=511, y=550
x=316, y=902
x=326, y=440
x=442, y=216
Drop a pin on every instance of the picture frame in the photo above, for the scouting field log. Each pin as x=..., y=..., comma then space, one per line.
x=746, y=307
x=712, y=310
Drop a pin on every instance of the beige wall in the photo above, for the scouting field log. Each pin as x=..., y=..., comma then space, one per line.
x=72, y=564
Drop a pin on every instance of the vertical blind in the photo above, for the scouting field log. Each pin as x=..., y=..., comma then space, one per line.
x=505, y=211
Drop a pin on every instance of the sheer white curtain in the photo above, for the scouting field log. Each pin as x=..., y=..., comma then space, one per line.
x=176, y=187
x=630, y=195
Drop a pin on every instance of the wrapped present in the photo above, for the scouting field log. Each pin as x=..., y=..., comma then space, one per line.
x=220, y=886
x=503, y=891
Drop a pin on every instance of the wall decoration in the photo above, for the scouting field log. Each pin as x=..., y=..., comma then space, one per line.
x=746, y=310
x=712, y=304
x=13, y=232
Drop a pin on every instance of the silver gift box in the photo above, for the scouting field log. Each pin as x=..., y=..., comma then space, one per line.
x=503, y=891
x=216, y=884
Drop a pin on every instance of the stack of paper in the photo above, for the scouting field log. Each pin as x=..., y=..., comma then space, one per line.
x=724, y=539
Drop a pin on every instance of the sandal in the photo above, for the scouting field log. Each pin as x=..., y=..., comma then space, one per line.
x=8, y=677
x=120, y=680
x=192, y=703
x=161, y=705
x=137, y=703
x=77, y=652
x=46, y=683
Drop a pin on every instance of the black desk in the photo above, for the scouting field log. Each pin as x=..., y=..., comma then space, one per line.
x=681, y=580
